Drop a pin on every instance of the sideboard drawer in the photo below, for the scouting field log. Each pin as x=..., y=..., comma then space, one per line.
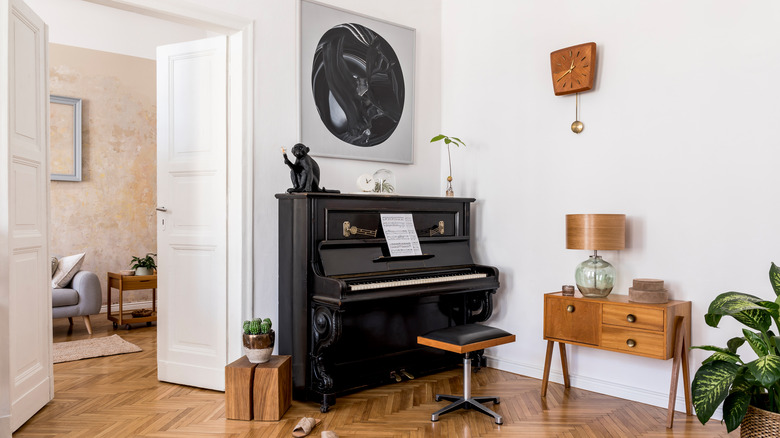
x=644, y=343
x=633, y=317
x=572, y=320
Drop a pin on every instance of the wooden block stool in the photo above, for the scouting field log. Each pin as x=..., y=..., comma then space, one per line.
x=258, y=391
x=465, y=339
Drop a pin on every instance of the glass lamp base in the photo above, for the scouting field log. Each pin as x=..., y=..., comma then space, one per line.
x=595, y=277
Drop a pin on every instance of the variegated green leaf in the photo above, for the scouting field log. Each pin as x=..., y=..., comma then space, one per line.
x=718, y=355
x=735, y=343
x=740, y=383
x=756, y=342
x=774, y=278
x=710, y=387
x=765, y=369
x=733, y=302
x=757, y=319
x=713, y=320
x=772, y=307
x=735, y=408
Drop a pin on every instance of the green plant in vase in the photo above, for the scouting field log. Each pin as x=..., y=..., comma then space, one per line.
x=144, y=265
x=449, y=141
x=725, y=377
x=259, y=340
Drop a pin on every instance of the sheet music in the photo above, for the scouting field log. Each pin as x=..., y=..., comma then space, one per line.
x=400, y=234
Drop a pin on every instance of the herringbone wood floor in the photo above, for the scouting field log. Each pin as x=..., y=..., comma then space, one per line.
x=119, y=396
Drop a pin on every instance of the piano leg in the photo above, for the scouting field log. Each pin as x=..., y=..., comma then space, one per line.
x=327, y=401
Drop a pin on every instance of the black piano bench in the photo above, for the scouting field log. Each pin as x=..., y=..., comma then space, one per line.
x=465, y=339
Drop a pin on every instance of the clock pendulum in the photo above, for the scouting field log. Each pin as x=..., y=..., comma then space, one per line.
x=577, y=126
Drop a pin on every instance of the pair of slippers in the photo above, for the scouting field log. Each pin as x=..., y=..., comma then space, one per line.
x=307, y=424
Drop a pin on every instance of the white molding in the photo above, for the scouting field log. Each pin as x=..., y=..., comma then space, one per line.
x=180, y=12
x=641, y=395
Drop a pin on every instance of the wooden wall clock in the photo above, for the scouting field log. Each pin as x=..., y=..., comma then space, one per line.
x=573, y=68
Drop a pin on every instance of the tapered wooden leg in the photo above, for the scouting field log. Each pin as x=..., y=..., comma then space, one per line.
x=88, y=323
x=686, y=374
x=70, y=320
x=679, y=343
x=564, y=365
x=547, y=361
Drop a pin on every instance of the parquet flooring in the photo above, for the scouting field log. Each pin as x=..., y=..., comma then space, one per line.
x=119, y=396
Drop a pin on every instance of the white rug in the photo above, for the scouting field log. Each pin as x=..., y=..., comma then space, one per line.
x=88, y=348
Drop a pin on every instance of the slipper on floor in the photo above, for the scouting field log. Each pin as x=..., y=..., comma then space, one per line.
x=305, y=426
x=328, y=434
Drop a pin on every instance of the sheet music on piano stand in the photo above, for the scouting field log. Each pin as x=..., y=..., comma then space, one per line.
x=400, y=234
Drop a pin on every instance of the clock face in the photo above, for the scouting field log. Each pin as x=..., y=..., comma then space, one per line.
x=573, y=68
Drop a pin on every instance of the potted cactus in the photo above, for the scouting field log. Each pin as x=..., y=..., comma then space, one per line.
x=258, y=340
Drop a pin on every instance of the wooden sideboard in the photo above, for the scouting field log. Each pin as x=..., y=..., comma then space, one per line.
x=659, y=331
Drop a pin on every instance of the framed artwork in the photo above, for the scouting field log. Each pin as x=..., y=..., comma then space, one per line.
x=357, y=86
x=65, y=138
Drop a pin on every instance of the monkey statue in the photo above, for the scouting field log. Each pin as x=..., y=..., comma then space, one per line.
x=304, y=173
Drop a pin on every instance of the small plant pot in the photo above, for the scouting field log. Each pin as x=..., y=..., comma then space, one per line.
x=258, y=348
x=144, y=271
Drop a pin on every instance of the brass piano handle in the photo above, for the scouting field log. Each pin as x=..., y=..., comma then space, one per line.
x=631, y=343
x=350, y=230
x=570, y=308
x=439, y=229
x=631, y=318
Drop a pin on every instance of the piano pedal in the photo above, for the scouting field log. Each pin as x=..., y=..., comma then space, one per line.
x=407, y=374
x=395, y=376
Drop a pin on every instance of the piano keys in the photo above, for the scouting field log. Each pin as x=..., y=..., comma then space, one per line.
x=349, y=313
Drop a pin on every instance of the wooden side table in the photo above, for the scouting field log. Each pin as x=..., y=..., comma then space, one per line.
x=130, y=282
x=660, y=331
x=260, y=391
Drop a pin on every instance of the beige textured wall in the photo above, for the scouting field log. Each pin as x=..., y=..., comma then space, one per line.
x=110, y=214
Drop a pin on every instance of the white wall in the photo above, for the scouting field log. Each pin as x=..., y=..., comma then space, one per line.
x=680, y=135
x=79, y=23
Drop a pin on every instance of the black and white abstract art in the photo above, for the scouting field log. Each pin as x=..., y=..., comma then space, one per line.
x=357, y=82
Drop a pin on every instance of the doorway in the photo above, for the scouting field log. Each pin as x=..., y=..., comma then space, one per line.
x=238, y=31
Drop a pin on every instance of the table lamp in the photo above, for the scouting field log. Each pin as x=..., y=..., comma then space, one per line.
x=595, y=277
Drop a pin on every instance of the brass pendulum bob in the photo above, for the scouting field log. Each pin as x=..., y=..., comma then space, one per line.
x=577, y=126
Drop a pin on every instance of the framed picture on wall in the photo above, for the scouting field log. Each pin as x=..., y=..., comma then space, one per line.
x=65, y=138
x=357, y=86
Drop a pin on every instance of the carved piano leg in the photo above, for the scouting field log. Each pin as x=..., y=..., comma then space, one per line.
x=327, y=330
x=328, y=400
x=480, y=307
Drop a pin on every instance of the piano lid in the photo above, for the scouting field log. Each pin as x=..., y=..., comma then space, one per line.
x=366, y=258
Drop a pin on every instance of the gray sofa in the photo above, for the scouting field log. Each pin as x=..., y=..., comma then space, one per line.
x=82, y=297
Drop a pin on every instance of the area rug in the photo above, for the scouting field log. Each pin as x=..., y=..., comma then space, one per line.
x=88, y=348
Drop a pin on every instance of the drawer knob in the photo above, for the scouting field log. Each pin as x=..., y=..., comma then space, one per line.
x=570, y=308
x=631, y=318
x=631, y=343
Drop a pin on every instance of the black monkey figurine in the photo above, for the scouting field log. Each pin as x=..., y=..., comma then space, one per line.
x=304, y=173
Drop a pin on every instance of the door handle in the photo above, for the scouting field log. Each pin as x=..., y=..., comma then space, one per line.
x=162, y=209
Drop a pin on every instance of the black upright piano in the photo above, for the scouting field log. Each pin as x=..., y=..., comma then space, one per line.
x=349, y=313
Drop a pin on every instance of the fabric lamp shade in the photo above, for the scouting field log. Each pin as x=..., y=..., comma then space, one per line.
x=596, y=231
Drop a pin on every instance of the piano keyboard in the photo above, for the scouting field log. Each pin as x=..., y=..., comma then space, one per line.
x=414, y=281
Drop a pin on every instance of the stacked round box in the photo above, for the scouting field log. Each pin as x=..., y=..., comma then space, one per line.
x=648, y=290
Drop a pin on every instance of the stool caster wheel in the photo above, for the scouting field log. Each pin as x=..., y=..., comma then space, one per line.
x=127, y=327
x=148, y=323
x=115, y=326
x=438, y=399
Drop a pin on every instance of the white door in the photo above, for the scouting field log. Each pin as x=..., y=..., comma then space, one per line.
x=192, y=221
x=26, y=382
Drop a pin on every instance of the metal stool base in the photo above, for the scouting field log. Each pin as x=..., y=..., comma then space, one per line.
x=467, y=401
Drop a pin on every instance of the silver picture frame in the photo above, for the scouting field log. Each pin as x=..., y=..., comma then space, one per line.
x=65, y=138
x=316, y=20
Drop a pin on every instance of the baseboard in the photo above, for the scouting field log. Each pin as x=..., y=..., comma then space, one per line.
x=5, y=426
x=641, y=395
x=127, y=307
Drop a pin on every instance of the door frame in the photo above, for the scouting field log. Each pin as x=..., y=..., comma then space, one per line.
x=240, y=153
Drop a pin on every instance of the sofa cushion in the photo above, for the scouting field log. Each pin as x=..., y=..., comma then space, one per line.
x=66, y=269
x=54, y=263
x=64, y=297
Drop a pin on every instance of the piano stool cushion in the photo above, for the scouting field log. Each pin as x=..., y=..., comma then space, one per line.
x=466, y=338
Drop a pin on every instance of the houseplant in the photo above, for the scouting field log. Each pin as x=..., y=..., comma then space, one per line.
x=449, y=141
x=750, y=391
x=144, y=265
x=258, y=340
